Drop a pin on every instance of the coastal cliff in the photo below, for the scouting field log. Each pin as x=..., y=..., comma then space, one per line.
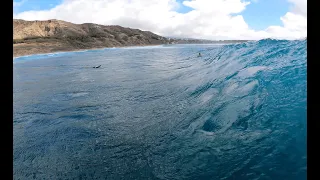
x=36, y=37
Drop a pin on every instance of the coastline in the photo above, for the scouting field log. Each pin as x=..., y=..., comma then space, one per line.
x=80, y=50
x=100, y=48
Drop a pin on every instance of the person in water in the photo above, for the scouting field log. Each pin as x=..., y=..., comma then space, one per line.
x=199, y=55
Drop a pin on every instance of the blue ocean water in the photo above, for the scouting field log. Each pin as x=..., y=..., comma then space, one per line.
x=237, y=112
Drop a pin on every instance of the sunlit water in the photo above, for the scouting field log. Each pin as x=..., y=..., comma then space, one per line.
x=237, y=112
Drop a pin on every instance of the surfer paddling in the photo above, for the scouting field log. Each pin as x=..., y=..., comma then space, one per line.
x=96, y=66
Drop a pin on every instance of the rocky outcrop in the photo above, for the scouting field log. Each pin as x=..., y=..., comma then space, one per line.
x=34, y=37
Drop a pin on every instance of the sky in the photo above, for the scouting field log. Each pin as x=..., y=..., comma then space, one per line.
x=205, y=19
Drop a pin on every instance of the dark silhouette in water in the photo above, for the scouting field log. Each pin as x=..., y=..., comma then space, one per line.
x=199, y=55
x=97, y=66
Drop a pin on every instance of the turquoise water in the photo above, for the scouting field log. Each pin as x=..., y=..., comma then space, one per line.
x=237, y=112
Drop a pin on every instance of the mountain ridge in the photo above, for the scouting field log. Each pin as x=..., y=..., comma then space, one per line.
x=37, y=37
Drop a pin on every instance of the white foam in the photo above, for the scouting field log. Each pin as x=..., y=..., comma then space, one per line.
x=142, y=47
x=255, y=69
x=208, y=95
x=26, y=57
x=250, y=71
x=231, y=88
x=78, y=94
x=248, y=87
x=44, y=55
x=34, y=56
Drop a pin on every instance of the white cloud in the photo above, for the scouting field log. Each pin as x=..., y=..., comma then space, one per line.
x=209, y=19
x=18, y=3
x=294, y=22
x=300, y=7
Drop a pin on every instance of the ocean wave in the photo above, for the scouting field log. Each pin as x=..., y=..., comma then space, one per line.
x=237, y=112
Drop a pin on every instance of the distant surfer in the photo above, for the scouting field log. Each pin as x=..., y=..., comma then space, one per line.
x=97, y=66
x=199, y=55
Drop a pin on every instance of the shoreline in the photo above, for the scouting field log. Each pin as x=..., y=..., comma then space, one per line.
x=80, y=50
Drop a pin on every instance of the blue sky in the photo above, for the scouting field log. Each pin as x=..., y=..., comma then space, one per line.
x=264, y=13
x=258, y=15
x=27, y=5
x=213, y=19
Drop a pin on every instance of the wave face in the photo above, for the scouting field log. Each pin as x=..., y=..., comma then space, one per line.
x=237, y=112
